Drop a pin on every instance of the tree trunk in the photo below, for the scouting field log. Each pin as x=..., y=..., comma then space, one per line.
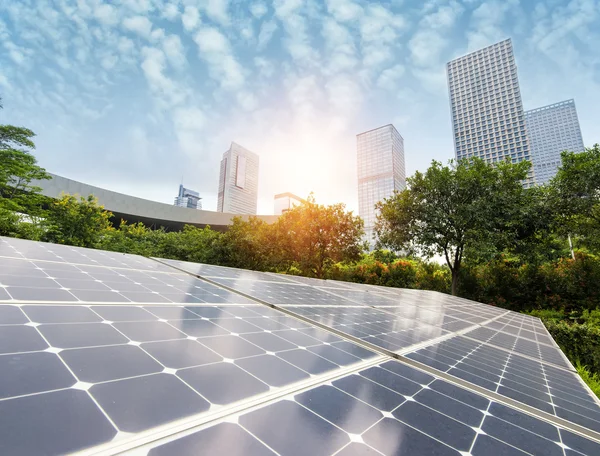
x=454, y=281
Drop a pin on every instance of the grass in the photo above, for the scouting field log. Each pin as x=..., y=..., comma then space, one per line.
x=591, y=378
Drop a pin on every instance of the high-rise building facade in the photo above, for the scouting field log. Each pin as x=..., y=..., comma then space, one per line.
x=380, y=171
x=188, y=198
x=551, y=130
x=238, y=181
x=487, y=112
x=283, y=202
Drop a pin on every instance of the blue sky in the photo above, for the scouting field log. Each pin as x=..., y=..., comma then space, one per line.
x=132, y=95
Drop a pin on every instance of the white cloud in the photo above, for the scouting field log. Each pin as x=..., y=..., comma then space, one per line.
x=426, y=47
x=165, y=89
x=106, y=14
x=265, y=67
x=339, y=43
x=190, y=18
x=189, y=118
x=297, y=42
x=247, y=100
x=125, y=46
x=486, y=24
x=170, y=11
x=157, y=35
x=138, y=6
x=258, y=9
x=380, y=30
x=389, y=78
x=140, y=25
x=267, y=29
x=214, y=48
x=188, y=123
x=344, y=10
x=211, y=41
x=217, y=10
x=4, y=82
x=174, y=51
x=109, y=61
x=428, y=44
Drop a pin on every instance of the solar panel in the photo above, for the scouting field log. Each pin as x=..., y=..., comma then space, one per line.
x=107, y=353
x=388, y=408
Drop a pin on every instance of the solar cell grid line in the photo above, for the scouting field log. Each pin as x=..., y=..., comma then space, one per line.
x=214, y=271
x=122, y=368
x=388, y=408
x=48, y=281
x=24, y=249
x=555, y=391
x=547, y=353
x=271, y=293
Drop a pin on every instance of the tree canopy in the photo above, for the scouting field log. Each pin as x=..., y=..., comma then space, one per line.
x=18, y=168
x=313, y=236
x=575, y=196
x=450, y=209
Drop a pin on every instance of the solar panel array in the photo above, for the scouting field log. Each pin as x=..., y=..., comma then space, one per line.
x=105, y=353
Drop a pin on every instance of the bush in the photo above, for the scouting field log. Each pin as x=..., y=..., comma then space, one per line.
x=581, y=343
x=9, y=223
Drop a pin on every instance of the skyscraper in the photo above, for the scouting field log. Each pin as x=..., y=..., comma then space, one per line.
x=188, y=198
x=238, y=181
x=487, y=111
x=551, y=130
x=380, y=171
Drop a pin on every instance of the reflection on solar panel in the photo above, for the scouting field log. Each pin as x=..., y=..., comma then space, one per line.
x=108, y=353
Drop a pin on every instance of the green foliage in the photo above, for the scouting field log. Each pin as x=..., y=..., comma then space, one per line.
x=18, y=168
x=449, y=209
x=565, y=284
x=313, y=237
x=592, y=379
x=76, y=221
x=9, y=223
x=578, y=342
x=575, y=197
x=400, y=272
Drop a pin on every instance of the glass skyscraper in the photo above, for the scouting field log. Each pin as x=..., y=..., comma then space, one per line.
x=380, y=171
x=487, y=112
x=551, y=130
x=238, y=181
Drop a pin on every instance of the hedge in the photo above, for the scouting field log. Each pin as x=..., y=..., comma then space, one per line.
x=581, y=343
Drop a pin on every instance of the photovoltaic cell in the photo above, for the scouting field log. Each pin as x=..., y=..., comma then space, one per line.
x=98, y=349
x=553, y=390
x=388, y=409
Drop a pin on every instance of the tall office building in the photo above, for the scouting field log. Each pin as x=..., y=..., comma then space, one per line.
x=380, y=171
x=238, y=181
x=551, y=130
x=487, y=112
x=188, y=198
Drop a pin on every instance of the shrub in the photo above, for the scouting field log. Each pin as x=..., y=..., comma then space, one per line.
x=581, y=343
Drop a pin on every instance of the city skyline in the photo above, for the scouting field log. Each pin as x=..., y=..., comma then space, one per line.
x=149, y=90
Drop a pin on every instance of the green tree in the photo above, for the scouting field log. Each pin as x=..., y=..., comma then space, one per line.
x=313, y=237
x=199, y=245
x=18, y=168
x=575, y=196
x=249, y=244
x=76, y=221
x=449, y=209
